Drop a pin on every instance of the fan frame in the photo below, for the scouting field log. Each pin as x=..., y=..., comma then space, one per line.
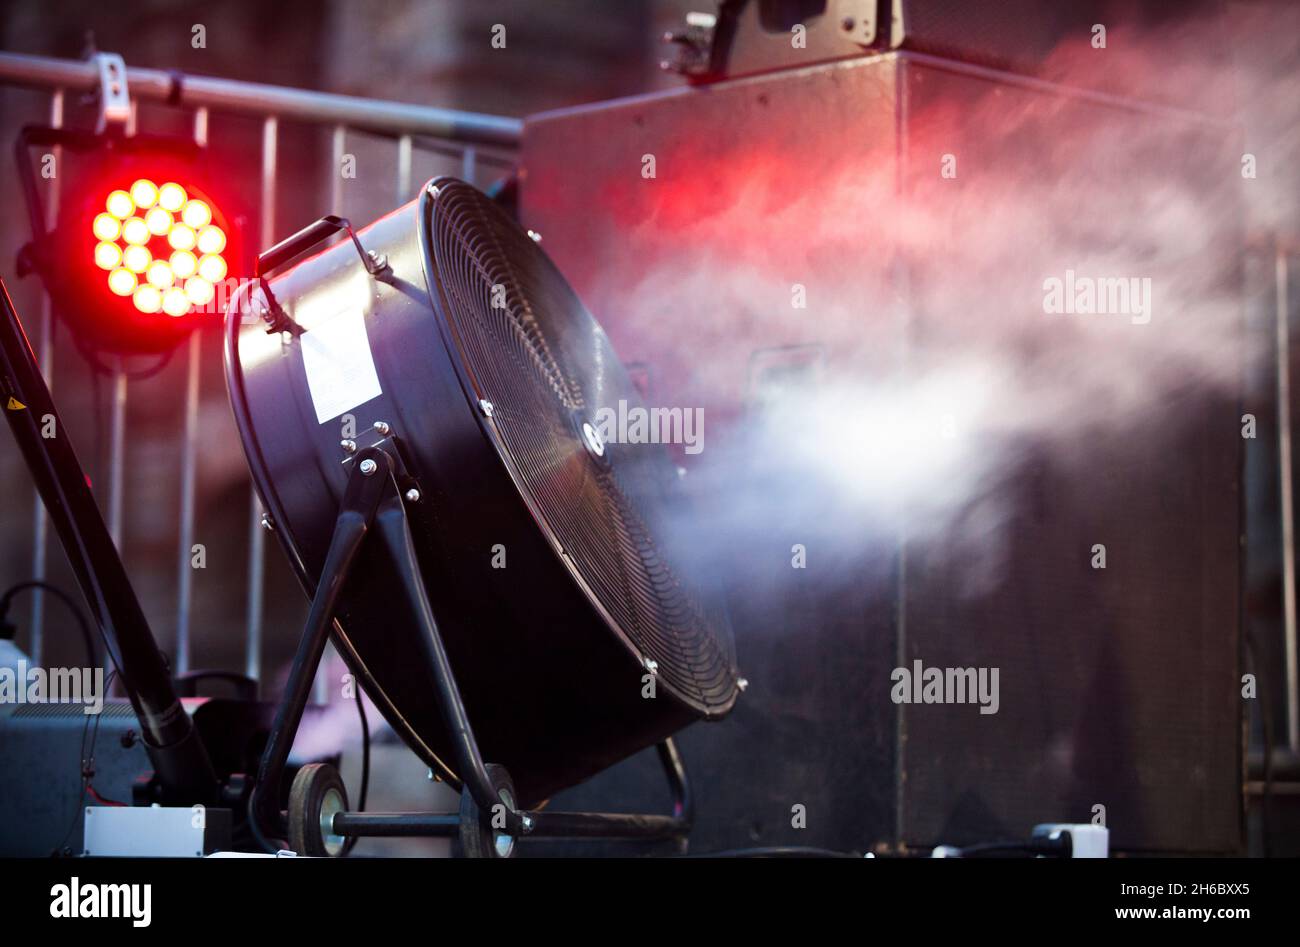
x=278, y=429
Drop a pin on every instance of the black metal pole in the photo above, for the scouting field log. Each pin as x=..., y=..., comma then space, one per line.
x=545, y=824
x=397, y=824
x=179, y=758
x=394, y=528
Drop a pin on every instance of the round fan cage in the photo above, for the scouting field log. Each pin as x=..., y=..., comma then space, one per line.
x=538, y=367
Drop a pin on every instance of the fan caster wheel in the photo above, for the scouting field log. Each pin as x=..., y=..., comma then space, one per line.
x=478, y=839
x=316, y=795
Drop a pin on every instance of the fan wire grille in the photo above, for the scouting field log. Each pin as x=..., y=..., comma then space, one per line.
x=542, y=362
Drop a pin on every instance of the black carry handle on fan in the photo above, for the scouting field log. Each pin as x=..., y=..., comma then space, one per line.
x=290, y=248
x=306, y=238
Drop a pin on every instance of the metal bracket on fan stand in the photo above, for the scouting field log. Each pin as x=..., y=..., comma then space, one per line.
x=373, y=500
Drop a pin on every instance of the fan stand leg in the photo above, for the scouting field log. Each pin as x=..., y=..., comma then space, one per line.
x=361, y=500
x=393, y=529
x=372, y=501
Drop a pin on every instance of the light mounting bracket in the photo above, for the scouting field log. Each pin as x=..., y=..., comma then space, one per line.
x=114, y=97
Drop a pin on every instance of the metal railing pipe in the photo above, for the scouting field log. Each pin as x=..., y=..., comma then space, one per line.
x=254, y=98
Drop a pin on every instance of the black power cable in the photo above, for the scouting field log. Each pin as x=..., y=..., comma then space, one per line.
x=7, y=599
x=1266, y=726
x=1058, y=846
x=775, y=851
x=351, y=843
x=87, y=762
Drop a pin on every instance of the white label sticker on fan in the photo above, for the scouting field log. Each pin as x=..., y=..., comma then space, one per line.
x=340, y=369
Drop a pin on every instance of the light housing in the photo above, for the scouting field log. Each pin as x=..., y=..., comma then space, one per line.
x=123, y=207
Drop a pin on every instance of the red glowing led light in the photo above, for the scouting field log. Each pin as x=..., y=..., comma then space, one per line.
x=146, y=236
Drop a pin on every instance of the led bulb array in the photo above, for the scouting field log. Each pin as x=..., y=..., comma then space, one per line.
x=160, y=247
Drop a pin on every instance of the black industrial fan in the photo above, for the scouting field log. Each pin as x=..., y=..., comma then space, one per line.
x=419, y=404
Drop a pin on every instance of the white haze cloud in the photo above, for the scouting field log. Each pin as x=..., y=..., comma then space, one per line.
x=941, y=367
